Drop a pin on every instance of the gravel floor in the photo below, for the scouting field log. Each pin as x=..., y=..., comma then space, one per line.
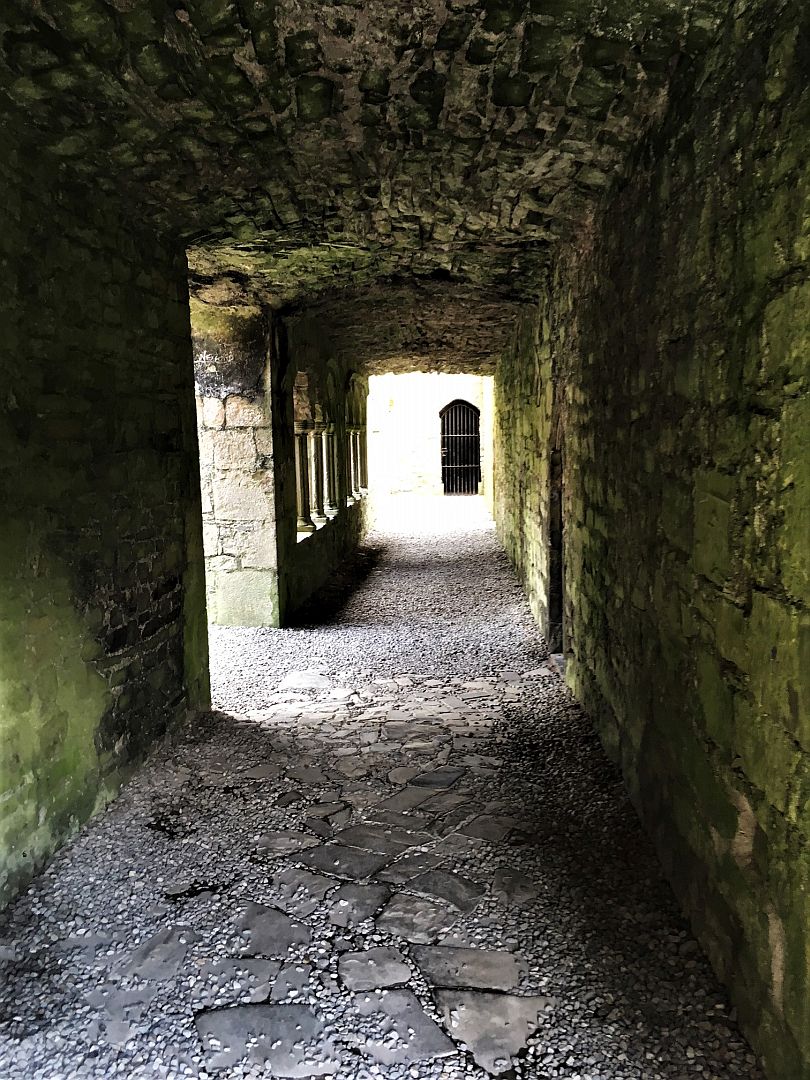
x=396, y=852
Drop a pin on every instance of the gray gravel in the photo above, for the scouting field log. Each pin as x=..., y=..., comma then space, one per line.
x=295, y=885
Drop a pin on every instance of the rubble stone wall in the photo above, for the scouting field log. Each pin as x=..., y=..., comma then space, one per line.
x=102, y=618
x=668, y=358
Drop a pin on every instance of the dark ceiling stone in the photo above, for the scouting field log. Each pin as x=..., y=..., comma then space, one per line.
x=312, y=147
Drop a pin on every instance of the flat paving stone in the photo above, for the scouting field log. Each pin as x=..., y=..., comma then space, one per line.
x=344, y=862
x=511, y=887
x=410, y=1034
x=308, y=774
x=410, y=821
x=460, y=892
x=409, y=866
x=495, y=1027
x=384, y=839
x=262, y=772
x=415, y=919
x=291, y=1040
x=352, y=904
x=285, y=842
x=161, y=956
x=270, y=932
x=373, y=969
x=292, y=982
x=492, y=827
x=231, y=982
x=486, y=969
x=444, y=777
x=403, y=774
x=301, y=892
x=408, y=798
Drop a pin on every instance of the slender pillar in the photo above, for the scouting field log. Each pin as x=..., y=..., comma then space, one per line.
x=330, y=472
x=350, y=496
x=304, y=522
x=316, y=477
x=356, y=485
x=363, y=442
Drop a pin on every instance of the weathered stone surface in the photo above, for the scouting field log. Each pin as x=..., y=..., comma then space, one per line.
x=373, y=969
x=602, y=926
x=409, y=866
x=301, y=892
x=411, y=1035
x=161, y=956
x=454, y=889
x=351, y=904
x=289, y=1039
x=531, y=113
x=345, y=862
x=495, y=1027
x=415, y=919
x=384, y=839
x=104, y=642
x=269, y=932
x=468, y=968
x=285, y=841
x=444, y=777
x=512, y=887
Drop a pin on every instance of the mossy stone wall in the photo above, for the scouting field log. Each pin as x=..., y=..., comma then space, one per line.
x=103, y=641
x=669, y=359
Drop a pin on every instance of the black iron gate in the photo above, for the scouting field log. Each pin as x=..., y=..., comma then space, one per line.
x=461, y=448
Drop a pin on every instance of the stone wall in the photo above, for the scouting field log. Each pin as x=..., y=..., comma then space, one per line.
x=668, y=363
x=523, y=424
x=102, y=623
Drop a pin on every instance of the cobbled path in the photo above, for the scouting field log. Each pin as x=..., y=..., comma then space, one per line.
x=396, y=851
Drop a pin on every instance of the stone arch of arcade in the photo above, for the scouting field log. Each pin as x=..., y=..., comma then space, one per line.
x=604, y=206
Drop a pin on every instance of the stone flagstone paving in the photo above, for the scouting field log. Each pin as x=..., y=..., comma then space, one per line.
x=396, y=852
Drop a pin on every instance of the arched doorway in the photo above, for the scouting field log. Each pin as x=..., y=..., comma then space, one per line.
x=461, y=448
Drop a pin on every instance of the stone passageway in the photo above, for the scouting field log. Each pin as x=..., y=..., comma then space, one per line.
x=395, y=851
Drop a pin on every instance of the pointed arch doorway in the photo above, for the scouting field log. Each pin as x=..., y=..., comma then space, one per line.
x=461, y=448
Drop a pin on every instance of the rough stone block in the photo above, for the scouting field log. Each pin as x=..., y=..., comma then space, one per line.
x=243, y=598
x=241, y=412
x=257, y=548
x=712, y=515
x=234, y=449
x=240, y=498
x=794, y=535
x=213, y=412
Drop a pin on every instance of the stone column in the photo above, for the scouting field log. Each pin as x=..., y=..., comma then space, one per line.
x=304, y=521
x=330, y=472
x=363, y=443
x=317, y=472
x=356, y=485
x=350, y=496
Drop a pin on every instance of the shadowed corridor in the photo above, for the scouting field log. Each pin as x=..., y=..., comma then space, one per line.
x=294, y=885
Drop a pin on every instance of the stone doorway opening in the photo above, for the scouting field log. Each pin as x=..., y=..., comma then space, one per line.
x=461, y=448
x=405, y=427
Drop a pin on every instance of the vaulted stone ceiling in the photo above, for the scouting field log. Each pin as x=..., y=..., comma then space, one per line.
x=299, y=147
